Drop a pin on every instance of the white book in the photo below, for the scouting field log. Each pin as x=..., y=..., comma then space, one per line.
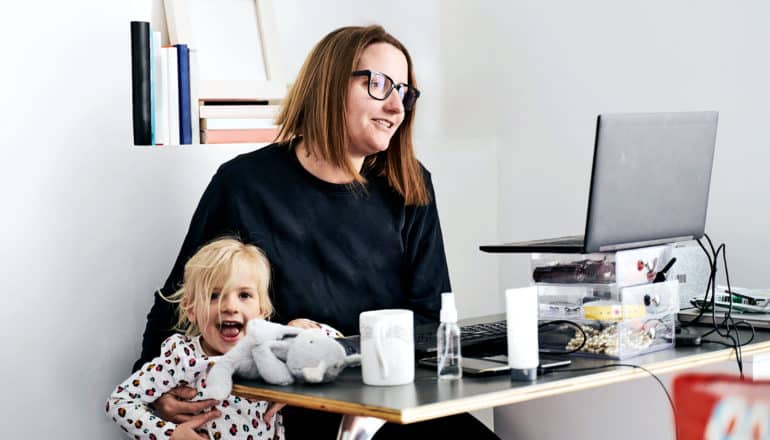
x=236, y=123
x=173, y=96
x=269, y=111
x=161, y=93
x=194, y=97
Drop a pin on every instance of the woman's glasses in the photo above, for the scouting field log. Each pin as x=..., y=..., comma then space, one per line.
x=381, y=86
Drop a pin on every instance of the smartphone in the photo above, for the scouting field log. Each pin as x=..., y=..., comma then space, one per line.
x=472, y=366
x=493, y=364
x=546, y=361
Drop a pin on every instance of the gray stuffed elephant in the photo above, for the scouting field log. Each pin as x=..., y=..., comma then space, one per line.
x=278, y=354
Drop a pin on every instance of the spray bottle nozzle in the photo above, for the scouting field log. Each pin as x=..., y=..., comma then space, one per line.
x=448, y=309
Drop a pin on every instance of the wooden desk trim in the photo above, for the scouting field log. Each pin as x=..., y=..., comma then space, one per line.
x=504, y=397
x=321, y=404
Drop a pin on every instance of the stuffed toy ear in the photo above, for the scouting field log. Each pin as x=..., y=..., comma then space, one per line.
x=281, y=349
x=315, y=357
x=271, y=368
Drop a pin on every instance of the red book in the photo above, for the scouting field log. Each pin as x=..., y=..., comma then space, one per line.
x=255, y=135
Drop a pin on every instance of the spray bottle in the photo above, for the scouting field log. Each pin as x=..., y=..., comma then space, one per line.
x=448, y=340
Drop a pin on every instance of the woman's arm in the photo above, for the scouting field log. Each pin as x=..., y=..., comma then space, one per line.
x=427, y=275
x=310, y=324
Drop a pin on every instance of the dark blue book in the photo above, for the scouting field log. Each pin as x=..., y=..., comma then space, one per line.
x=140, y=82
x=185, y=120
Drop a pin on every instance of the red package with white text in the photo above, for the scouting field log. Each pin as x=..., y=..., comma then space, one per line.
x=720, y=406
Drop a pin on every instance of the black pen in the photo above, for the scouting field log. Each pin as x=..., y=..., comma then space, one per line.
x=661, y=275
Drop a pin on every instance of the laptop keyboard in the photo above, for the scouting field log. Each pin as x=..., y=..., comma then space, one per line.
x=470, y=335
x=475, y=333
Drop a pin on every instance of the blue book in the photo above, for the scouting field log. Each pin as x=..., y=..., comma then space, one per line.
x=185, y=120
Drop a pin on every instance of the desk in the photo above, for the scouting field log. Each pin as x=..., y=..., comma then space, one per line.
x=427, y=398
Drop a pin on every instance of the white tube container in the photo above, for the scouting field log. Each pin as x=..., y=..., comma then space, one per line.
x=521, y=316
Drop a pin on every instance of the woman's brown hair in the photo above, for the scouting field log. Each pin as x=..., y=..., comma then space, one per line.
x=315, y=109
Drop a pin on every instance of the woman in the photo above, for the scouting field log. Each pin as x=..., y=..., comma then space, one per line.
x=340, y=205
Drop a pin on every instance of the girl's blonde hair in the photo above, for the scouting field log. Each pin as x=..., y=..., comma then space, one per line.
x=209, y=269
x=315, y=108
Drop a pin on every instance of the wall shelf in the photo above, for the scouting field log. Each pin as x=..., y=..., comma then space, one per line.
x=239, y=146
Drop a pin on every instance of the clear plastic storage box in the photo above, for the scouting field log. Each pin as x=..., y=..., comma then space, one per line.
x=618, y=322
x=622, y=268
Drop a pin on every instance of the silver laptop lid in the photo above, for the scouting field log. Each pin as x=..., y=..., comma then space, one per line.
x=650, y=179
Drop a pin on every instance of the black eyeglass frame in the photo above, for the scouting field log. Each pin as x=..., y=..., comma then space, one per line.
x=368, y=73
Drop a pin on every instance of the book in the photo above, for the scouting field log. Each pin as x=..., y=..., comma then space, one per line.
x=194, y=97
x=159, y=93
x=185, y=122
x=257, y=135
x=237, y=123
x=161, y=99
x=268, y=111
x=140, y=82
x=173, y=95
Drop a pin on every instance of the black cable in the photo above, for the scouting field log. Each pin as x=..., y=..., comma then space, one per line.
x=728, y=315
x=727, y=326
x=750, y=326
x=739, y=352
x=702, y=310
x=660, y=382
x=659, y=322
x=567, y=322
x=728, y=320
x=708, y=284
x=736, y=324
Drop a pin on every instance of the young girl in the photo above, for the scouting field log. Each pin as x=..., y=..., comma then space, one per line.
x=225, y=285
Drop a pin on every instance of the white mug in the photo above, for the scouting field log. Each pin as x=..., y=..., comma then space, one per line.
x=387, y=346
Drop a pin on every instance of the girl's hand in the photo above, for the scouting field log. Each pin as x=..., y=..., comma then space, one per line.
x=303, y=323
x=188, y=429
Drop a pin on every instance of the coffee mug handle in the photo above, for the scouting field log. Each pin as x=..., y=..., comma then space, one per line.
x=379, y=334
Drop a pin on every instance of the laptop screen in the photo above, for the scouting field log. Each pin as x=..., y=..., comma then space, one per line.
x=650, y=179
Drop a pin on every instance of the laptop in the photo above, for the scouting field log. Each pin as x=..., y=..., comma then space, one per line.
x=649, y=184
x=760, y=321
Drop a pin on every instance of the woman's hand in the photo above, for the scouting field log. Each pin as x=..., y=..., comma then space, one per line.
x=304, y=323
x=175, y=406
x=188, y=429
